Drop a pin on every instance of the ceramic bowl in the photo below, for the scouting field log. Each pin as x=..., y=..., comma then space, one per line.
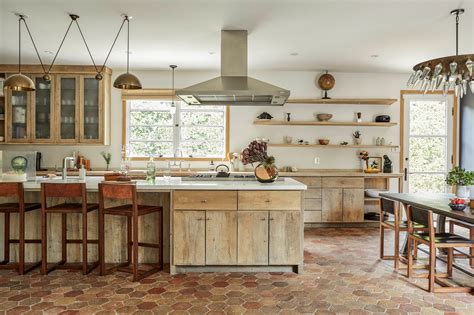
x=323, y=141
x=323, y=117
x=457, y=207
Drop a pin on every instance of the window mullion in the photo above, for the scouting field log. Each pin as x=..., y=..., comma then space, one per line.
x=177, y=127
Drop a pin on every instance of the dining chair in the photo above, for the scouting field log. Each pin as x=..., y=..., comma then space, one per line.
x=470, y=228
x=435, y=241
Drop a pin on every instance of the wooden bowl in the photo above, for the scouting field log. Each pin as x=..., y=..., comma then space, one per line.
x=323, y=141
x=324, y=117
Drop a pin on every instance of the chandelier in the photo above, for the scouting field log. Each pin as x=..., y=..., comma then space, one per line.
x=445, y=73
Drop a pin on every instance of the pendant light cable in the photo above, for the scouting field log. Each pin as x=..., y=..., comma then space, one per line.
x=172, y=85
x=60, y=45
x=113, y=44
x=128, y=42
x=457, y=33
x=74, y=18
x=33, y=42
x=19, y=44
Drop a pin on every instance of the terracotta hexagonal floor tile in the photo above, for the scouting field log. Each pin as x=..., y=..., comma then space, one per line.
x=182, y=306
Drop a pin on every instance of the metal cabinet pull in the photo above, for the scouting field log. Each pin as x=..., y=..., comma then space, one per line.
x=208, y=219
x=203, y=201
x=268, y=200
x=271, y=219
x=263, y=219
x=200, y=219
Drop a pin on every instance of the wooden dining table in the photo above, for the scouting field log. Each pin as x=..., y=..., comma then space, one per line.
x=438, y=204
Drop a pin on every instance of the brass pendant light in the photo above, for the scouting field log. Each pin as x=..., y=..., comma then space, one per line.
x=127, y=81
x=19, y=81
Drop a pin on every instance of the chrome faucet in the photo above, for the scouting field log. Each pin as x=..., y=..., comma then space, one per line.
x=65, y=163
x=178, y=153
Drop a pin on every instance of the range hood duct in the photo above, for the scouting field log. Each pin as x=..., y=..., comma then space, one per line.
x=234, y=87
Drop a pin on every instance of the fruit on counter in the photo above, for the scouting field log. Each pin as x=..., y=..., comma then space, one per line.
x=458, y=201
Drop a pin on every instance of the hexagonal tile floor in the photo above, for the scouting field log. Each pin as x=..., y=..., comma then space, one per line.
x=343, y=275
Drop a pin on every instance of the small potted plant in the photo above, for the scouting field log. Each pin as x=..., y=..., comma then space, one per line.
x=107, y=157
x=357, y=137
x=461, y=179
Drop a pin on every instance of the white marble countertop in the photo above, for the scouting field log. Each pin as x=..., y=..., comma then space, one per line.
x=175, y=183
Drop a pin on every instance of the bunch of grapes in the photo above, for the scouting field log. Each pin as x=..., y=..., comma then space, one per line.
x=255, y=152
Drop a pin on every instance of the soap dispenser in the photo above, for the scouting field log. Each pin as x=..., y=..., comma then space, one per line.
x=82, y=172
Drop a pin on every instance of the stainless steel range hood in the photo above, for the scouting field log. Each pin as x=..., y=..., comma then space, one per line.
x=234, y=87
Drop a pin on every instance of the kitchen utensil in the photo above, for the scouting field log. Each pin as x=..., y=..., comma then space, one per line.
x=323, y=117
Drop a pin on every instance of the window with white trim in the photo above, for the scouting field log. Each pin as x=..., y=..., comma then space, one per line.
x=155, y=128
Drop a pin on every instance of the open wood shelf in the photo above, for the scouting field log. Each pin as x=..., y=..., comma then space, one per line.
x=343, y=101
x=348, y=146
x=322, y=123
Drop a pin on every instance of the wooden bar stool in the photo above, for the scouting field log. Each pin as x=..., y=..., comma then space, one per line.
x=132, y=211
x=69, y=190
x=435, y=241
x=15, y=190
x=470, y=228
x=397, y=224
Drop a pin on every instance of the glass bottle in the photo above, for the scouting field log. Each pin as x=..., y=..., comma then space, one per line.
x=150, y=171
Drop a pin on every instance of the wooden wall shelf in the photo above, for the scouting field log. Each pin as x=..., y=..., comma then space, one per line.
x=332, y=146
x=322, y=123
x=343, y=101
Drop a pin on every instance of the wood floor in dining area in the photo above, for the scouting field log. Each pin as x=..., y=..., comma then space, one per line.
x=343, y=275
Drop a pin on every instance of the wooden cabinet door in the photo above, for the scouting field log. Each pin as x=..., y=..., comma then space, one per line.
x=91, y=110
x=332, y=205
x=42, y=110
x=189, y=237
x=18, y=116
x=221, y=237
x=252, y=238
x=353, y=205
x=68, y=103
x=284, y=238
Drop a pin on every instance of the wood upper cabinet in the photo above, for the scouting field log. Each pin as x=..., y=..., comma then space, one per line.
x=285, y=237
x=221, y=237
x=253, y=238
x=42, y=110
x=332, y=205
x=189, y=238
x=67, y=108
x=72, y=108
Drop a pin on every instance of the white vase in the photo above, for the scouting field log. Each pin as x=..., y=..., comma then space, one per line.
x=462, y=191
x=357, y=141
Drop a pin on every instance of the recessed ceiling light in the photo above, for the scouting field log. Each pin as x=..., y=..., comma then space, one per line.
x=212, y=53
x=294, y=54
x=374, y=56
x=49, y=52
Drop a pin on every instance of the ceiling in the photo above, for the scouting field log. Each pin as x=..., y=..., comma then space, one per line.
x=338, y=35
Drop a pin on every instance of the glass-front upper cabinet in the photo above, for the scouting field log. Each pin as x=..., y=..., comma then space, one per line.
x=18, y=128
x=68, y=118
x=42, y=112
x=91, y=111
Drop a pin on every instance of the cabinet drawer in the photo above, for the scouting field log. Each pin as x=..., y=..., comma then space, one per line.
x=313, y=193
x=312, y=216
x=313, y=182
x=204, y=200
x=343, y=182
x=312, y=204
x=269, y=200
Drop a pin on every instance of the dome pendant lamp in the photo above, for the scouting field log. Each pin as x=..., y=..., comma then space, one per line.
x=127, y=81
x=19, y=81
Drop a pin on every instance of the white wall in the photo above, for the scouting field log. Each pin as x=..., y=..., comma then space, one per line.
x=242, y=130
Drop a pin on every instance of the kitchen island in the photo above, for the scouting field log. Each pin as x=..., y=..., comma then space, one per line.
x=209, y=225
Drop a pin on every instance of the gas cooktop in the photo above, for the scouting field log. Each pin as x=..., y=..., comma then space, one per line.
x=213, y=177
